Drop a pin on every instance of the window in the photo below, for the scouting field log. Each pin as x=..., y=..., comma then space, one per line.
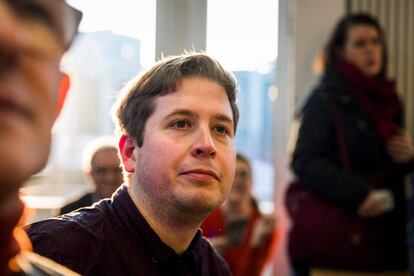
x=116, y=42
x=247, y=44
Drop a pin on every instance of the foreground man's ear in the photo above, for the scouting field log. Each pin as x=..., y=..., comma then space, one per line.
x=63, y=91
x=126, y=150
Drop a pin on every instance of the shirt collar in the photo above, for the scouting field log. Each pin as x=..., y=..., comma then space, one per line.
x=141, y=233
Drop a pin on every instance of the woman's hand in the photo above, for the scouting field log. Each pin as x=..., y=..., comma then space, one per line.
x=376, y=203
x=263, y=229
x=400, y=147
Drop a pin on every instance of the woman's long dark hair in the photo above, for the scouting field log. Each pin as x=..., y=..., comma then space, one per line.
x=339, y=36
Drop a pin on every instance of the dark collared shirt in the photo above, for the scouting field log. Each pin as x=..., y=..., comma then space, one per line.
x=113, y=238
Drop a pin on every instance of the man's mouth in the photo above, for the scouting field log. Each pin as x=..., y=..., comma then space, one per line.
x=10, y=107
x=202, y=174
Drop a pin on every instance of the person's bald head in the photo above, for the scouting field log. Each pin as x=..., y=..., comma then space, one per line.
x=102, y=164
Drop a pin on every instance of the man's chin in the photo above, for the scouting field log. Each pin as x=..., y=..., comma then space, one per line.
x=21, y=164
x=201, y=204
x=9, y=183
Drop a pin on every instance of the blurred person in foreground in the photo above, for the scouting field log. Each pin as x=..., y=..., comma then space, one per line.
x=177, y=122
x=103, y=168
x=242, y=235
x=34, y=34
x=352, y=152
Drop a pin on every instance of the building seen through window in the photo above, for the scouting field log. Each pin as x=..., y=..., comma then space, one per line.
x=116, y=41
x=247, y=44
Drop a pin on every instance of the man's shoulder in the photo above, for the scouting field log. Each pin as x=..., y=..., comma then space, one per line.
x=85, y=220
x=72, y=237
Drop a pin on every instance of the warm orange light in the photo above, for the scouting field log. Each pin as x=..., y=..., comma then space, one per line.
x=22, y=239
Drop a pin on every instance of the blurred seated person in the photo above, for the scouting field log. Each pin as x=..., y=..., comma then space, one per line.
x=102, y=166
x=237, y=229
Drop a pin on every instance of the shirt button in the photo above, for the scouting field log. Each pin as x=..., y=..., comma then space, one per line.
x=154, y=260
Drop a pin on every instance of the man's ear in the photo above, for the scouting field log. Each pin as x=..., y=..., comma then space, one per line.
x=126, y=149
x=63, y=91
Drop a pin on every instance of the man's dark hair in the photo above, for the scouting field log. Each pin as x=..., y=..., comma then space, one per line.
x=241, y=157
x=136, y=104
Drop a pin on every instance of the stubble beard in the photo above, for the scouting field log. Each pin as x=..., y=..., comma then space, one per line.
x=170, y=208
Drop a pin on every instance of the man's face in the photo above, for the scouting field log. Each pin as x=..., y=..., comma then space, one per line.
x=29, y=87
x=106, y=172
x=187, y=160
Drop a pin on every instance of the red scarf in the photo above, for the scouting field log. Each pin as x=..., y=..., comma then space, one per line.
x=377, y=96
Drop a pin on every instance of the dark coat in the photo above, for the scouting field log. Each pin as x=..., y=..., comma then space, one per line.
x=316, y=161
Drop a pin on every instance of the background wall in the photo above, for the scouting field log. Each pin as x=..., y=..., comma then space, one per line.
x=303, y=28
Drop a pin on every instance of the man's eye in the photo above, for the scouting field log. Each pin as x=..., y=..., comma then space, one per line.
x=181, y=124
x=222, y=130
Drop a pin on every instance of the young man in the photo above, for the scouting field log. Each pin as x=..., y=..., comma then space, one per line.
x=34, y=34
x=102, y=167
x=178, y=122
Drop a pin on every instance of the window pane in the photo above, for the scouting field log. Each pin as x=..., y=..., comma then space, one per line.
x=116, y=42
x=127, y=17
x=243, y=34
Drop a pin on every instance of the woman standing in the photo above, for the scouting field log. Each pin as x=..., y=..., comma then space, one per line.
x=351, y=132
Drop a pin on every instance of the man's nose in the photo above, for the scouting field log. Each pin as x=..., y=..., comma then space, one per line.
x=204, y=145
x=6, y=59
